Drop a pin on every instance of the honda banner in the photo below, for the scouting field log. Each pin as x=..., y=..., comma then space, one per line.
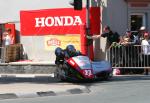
x=58, y=21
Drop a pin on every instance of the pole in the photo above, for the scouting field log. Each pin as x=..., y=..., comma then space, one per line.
x=88, y=16
x=90, y=52
x=88, y=23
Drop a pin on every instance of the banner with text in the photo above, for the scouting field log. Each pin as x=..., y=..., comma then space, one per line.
x=53, y=41
x=58, y=21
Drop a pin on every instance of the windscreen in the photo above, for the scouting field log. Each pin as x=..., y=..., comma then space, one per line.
x=83, y=62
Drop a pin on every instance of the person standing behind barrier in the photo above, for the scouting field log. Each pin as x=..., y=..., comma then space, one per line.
x=146, y=51
x=112, y=37
x=7, y=37
x=129, y=39
x=142, y=30
x=130, y=58
x=109, y=34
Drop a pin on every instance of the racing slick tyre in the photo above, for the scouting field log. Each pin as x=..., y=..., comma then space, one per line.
x=106, y=76
x=59, y=74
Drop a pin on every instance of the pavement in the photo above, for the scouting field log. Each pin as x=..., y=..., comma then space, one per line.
x=13, y=86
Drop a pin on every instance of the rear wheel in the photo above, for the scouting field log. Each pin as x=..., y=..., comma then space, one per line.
x=106, y=76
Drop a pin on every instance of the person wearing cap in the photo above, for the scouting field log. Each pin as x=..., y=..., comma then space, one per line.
x=142, y=30
x=146, y=51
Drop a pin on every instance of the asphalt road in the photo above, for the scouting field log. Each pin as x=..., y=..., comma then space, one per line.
x=122, y=89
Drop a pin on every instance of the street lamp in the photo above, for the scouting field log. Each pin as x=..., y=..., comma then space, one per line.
x=88, y=17
x=89, y=41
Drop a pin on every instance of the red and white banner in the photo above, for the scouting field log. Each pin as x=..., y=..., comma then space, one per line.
x=58, y=21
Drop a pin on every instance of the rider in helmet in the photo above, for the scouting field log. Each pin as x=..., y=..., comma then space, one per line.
x=59, y=56
x=70, y=51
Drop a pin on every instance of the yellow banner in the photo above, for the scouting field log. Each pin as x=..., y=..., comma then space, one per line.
x=54, y=41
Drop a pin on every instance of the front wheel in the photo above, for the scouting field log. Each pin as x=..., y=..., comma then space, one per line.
x=60, y=74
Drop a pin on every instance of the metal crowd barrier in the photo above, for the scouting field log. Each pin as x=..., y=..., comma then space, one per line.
x=129, y=56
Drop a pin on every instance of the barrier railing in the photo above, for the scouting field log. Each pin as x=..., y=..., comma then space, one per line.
x=128, y=56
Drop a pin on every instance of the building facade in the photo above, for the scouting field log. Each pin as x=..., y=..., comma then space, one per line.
x=118, y=14
x=121, y=15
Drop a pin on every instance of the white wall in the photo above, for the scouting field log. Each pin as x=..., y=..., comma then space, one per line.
x=117, y=14
x=114, y=14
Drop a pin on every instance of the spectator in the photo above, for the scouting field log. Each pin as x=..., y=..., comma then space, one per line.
x=130, y=51
x=146, y=51
x=112, y=37
x=141, y=33
x=107, y=32
x=7, y=37
x=129, y=39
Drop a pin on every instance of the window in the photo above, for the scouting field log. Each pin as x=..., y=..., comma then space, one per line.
x=137, y=20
